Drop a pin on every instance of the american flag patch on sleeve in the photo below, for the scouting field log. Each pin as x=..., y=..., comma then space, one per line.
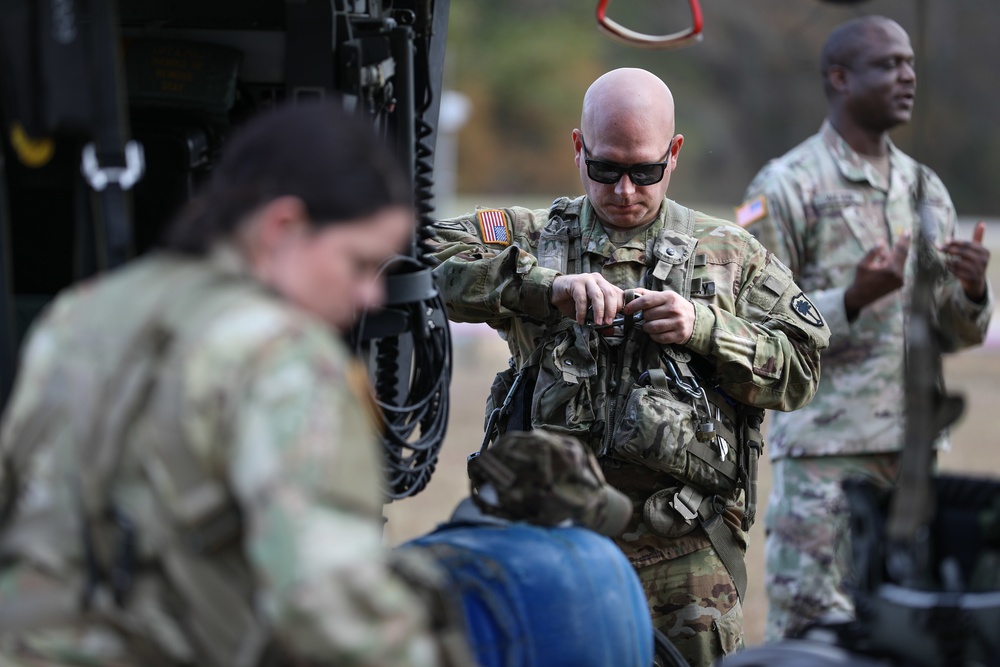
x=751, y=211
x=493, y=224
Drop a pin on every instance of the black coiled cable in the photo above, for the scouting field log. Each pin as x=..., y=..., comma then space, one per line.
x=423, y=191
x=411, y=383
x=411, y=457
x=414, y=417
x=412, y=355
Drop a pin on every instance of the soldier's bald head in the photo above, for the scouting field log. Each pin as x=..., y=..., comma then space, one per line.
x=627, y=98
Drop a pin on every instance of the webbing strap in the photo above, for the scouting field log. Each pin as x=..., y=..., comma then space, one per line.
x=658, y=379
x=725, y=545
x=689, y=502
x=753, y=447
x=712, y=457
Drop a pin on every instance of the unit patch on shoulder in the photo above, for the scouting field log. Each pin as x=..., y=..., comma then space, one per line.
x=805, y=309
x=493, y=225
x=751, y=211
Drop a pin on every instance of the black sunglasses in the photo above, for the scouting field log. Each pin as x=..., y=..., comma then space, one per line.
x=610, y=173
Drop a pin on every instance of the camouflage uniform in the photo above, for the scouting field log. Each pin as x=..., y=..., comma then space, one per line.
x=820, y=208
x=269, y=409
x=762, y=352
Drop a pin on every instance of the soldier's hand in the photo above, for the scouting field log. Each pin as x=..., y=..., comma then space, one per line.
x=967, y=260
x=879, y=272
x=667, y=316
x=574, y=293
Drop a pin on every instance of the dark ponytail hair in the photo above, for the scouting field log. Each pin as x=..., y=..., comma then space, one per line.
x=330, y=159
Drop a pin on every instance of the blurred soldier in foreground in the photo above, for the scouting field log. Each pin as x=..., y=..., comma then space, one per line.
x=653, y=333
x=190, y=475
x=840, y=210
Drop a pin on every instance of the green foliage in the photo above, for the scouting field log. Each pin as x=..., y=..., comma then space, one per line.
x=524, y=89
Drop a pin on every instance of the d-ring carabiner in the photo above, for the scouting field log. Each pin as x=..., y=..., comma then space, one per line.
x=674, y=40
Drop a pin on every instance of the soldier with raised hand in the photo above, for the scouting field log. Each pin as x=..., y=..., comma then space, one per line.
x=653, y=333
x=841, y=210
x=190, y=473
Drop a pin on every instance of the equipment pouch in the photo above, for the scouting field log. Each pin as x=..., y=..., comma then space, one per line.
x=660, y=431
x=660, y=515
x=567, y=391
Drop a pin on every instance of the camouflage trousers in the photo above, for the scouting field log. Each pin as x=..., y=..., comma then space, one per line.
x=807, y=549
x=693, y=601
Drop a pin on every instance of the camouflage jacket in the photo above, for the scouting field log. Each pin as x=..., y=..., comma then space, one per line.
x=271, y=412
x=761, y=349
x=820, y=208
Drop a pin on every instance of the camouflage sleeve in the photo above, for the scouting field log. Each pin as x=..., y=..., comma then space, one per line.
x=487, y=272
x=766, y=351
x=962, y=322
x=305, y=469
x=783, y=228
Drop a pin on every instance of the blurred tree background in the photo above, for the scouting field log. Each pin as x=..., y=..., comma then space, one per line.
x=747, y=93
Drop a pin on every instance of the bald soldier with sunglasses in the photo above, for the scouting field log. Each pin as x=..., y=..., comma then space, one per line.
x=655, y=334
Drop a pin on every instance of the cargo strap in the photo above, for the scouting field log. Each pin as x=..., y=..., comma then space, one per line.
x=707, y=510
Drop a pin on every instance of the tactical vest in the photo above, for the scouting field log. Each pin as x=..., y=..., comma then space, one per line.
x=181, y=554
x=632, y=399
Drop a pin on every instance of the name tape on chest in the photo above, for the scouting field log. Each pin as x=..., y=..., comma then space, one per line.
x=751, y=211
x=493, y=226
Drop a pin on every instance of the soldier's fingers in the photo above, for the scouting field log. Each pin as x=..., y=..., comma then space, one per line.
x=979, y=232
x=664, y=331
x=970, y=259
x=967, y=251
x=644, y=300
x=650, y=299
x=874, y=256
x=614, y=302
x=594, y=296
x=579, y=308
x=610, y=296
